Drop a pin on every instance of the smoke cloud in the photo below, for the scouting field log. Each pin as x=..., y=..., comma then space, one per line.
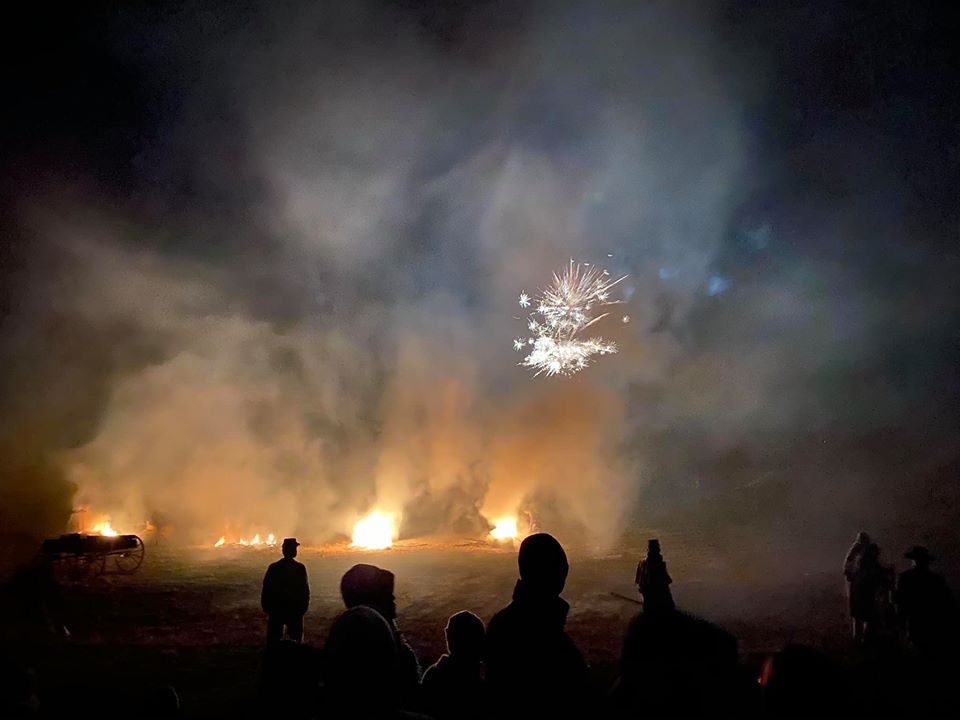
x=298, y=304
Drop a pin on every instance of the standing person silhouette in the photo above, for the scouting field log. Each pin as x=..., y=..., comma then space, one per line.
x=285, y=595
x=869, y=581
x=534, y=669
x=925, y=604
x=653, y=581
x=850, y=564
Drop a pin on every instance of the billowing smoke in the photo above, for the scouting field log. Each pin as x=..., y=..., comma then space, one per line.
x=301, y=309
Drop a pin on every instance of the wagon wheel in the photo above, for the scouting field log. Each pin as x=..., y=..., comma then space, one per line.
x=129, y=560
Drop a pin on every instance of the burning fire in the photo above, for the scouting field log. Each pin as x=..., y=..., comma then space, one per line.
x=374, y=532
x=255, y=541
x=504, y=528
x=103, y=528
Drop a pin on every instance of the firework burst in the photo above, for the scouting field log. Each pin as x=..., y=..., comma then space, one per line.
x=563, y=309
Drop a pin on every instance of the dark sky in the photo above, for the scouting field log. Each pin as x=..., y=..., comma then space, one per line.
x=312, y=220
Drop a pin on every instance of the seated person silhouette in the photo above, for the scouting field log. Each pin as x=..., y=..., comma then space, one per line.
x=533, y=667
x=453, y=687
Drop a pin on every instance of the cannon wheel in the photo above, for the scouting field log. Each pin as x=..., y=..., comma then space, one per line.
x=130, y=560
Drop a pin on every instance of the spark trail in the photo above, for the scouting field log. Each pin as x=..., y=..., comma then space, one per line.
x=564, y=309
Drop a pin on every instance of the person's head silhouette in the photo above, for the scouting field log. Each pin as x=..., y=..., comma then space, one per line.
x=465, y=636
x=289, y=547
x=369, y=585
x=920, y=555
x=653, y=547
x=360, y=660
x=863, y=538
x=543, y=564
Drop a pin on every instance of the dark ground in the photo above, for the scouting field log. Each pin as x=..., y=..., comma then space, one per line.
x=190, y=618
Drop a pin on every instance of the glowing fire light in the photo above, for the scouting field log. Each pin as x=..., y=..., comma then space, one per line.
x=504, y=528
x=255, y=541
x=103, y=528
x=374, y=532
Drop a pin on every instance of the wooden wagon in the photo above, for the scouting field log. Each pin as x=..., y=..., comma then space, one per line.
x=80, y=555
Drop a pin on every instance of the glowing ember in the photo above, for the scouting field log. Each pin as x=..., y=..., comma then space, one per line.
x=374, y=532
x=103, y=528
x=504, y=528
x=220, y=542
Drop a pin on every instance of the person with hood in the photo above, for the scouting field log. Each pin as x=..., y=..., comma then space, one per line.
x=453, y=687
x=653, y=581
x=869, y=581
x=534, y=669
x=359, y=667
x=373, y=587
x=850, y=564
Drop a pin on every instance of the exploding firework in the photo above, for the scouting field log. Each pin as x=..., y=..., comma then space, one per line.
x=562, y=310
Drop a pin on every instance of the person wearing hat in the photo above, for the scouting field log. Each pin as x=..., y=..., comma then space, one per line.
x=534, y=669
x=653, y=581
x=285, y=595
x=924, y=602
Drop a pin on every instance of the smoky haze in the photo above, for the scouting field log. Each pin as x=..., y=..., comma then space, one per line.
x=275, y=285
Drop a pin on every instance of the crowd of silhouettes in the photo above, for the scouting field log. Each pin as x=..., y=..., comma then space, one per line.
x=524, y=664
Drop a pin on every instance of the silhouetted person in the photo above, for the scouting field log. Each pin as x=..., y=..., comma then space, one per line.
x=38, y=600
x=653, y=580
x=18, y=690
x=673, y=663
x=360, y=667
x=372, y=586
x=925, y=604
x=869, y=580
x=850, y=564
x=286, y=595
x=289, y=682
x=800, y=681
x=453, y=687
x=533, y=667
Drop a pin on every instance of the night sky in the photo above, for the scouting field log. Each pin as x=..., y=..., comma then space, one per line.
x=260, y=263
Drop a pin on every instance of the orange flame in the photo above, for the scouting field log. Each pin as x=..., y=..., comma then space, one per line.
x=104, y=528
x=504, y=528
x=374, y=532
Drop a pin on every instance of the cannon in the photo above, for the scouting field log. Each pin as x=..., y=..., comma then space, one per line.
x=81, y=555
